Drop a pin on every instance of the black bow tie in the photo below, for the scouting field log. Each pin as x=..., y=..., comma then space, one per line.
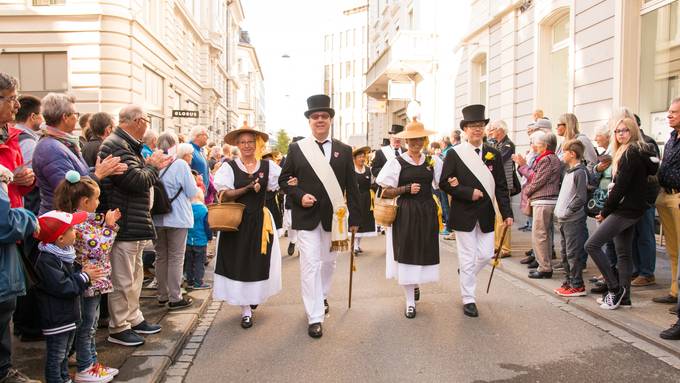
x=477, y=150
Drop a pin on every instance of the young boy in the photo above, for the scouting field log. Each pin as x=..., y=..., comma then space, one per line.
x=61, y=283
x=197, y=245
x=571, y=218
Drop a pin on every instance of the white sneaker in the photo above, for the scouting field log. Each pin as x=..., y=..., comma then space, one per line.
x=110, y=370
x=93, y=374
x=153, y=285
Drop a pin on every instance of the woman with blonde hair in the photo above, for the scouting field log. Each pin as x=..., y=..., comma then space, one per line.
x=632, y=162
x=568, y=129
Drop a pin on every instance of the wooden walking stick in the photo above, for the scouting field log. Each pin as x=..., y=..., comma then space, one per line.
x=351, y=270
x=496, y=256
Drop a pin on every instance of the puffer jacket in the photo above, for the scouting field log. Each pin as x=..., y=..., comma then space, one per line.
x=130, y=192
x=15, y=225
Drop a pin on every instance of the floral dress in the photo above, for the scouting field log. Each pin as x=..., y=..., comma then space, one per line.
x=94, y=240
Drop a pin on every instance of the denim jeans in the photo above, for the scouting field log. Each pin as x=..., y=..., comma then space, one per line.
x=6, y=308
x=644, y=245
x=572, y=247
x=86, y=351
x=194, y=264
x=444, y=201
x=56, y=360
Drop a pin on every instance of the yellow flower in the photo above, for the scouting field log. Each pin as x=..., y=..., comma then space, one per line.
x=489, y=156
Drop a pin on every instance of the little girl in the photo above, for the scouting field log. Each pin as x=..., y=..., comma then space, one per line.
x=94, y=239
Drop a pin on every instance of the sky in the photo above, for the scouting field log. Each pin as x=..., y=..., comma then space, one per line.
x=294, y=28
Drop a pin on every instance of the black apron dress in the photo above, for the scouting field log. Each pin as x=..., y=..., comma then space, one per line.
x=239, y=255
x=415, y=231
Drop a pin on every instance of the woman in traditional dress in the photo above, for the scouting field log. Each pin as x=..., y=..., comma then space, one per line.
x=364, y=179
x=412, y=248
x=248, y=268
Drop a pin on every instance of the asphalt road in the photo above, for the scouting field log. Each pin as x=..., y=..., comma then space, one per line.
x=519, y=337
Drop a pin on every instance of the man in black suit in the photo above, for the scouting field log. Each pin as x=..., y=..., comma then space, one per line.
x=312, y=209
x=387, y=152
x=474, y=177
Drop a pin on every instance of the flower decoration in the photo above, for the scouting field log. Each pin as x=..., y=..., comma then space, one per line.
x=429, y=161
x=489, y=156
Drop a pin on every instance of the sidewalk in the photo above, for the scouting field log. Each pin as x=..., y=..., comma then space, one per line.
x=645, y=319
x=146, y=363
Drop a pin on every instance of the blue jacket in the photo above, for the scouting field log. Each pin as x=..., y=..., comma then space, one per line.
x=51, y=161
x=15, y=225
x=200, y=233
x=200, y=164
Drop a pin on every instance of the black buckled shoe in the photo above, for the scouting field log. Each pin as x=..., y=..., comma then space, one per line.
x=527, y=260
x=327, y=308
x=470, y=310
x=247, y=321
x=410, y=312
x=253, y=307
x=314, y=330
x=291, y=248
x=540, y=274
x=416, y=293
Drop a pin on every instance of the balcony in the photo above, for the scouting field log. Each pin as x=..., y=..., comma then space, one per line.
x=411, y=52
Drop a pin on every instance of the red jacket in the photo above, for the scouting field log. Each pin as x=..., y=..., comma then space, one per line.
x=11, y=158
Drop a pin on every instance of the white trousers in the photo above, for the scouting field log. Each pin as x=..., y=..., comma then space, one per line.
x=317, y=264
x=475, y=250
x=287, y=224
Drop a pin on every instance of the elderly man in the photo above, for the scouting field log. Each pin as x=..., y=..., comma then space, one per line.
x=149, y=142
x=131, y=193
x=498, y=131
x=199, y=163
x=387, y=152
x=324, y=170
x=473, y=175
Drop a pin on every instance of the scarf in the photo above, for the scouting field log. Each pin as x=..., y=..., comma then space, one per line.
x=544, y=154
x=67, y=255
x=72, y=142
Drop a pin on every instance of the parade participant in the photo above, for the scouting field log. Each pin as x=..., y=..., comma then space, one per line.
x=366, y=195
x=474, y=177
x=325, y=173
x=412, y=244
x=388, y=152
x=287, y=213
x=248, y=268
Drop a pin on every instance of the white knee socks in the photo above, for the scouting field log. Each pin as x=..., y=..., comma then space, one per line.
x=410, y=295
x=246, y=311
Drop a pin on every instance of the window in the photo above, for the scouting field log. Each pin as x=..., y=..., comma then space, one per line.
x=151, y=13
x=348, y=69
x=348, y=99
x=479, y=80
x=49, y=2
x=153, y=90
x=341, y=40
x=559, y=67
x=38, y=73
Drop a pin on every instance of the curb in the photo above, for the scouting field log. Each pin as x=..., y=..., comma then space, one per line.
x=148, y=363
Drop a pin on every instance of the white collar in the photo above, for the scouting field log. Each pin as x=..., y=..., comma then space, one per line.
x=325, y=140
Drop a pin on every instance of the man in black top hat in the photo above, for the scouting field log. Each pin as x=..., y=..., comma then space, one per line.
x=319, y=209
x=387, y=152
x=474, y=177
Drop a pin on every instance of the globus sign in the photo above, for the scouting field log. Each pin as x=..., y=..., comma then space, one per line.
x=185, y=113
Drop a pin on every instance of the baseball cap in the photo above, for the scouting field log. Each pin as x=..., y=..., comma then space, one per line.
x=55, y=223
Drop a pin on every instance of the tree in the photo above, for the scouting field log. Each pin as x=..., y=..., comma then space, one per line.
x=282, y=141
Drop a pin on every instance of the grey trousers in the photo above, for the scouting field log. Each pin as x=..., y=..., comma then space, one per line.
x=572, y=245
x=620, y=230
x=170, y=247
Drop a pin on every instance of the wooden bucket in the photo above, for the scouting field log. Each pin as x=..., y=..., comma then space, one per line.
x=225, y=216
x=384, y=210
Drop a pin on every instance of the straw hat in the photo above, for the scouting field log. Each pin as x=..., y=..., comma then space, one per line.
x=363, y=149
x=231, y=137
x=415, y=129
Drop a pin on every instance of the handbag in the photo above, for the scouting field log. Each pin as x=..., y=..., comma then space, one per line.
x=596, y=202
x=162, y=204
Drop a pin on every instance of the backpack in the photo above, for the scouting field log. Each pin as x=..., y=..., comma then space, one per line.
x=161, y=203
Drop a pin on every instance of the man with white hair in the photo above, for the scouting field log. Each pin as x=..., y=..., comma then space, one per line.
x=498, y=131
x=199, y=138
x=149, y=142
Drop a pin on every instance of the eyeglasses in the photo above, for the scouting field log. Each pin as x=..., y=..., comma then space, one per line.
x=561, y=124
x=10, y=99
x=73, y=114
x=247, y=143
x=145, y=120
x=622, y=131
x=478, y=127
x=322, y=116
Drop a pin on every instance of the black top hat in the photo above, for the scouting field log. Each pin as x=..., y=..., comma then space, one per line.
x=396, y=129
x=385, y=142
x=297, y=138
x=473, y=113
x=319, y=103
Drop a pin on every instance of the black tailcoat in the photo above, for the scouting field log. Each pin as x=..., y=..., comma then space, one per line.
x=308, y=183
x=464, y=213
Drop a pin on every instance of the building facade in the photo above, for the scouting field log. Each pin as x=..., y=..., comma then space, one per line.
x=409, y=49
x=251, y=79
x=344, y=57
x=163, y=54
x=587, y=57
